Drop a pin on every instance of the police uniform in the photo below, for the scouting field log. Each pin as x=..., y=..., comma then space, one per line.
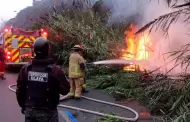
x=38, y=87
x=76, y=75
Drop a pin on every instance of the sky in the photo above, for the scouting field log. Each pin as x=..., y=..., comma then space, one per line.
x=7, y=7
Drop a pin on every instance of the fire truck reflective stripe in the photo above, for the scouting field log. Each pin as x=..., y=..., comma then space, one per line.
x=26, y=44
x=32, y=38
x=7, y=40
x=20, y=38
x=16, y=36
x=15, y=55
x=14, y=51
x=21, y=44
x=8, y=45
x=16, y=60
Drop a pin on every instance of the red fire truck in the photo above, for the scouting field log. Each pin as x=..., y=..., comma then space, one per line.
x=18, y=44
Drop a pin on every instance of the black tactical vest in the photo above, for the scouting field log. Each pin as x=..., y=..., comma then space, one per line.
x=42, y=88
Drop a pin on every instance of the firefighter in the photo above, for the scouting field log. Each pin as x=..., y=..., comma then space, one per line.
x=77, y=71
x=39, y=85
x=2, y=62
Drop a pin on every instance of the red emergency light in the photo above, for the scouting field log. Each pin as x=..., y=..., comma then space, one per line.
x=6, y=30
x=8, y=55
x=44, y=33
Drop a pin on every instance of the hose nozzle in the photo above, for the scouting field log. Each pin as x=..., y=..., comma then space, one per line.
x=89, y=63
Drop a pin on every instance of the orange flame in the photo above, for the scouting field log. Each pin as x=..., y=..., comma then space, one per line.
x=137, y=48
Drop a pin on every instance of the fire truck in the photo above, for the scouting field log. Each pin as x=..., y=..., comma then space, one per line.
x=18, y=44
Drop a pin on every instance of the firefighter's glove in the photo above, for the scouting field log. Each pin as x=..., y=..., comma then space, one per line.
x=84, y=86
x=23, y=110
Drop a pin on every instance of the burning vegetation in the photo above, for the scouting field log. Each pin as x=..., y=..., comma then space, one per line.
x=137, y=49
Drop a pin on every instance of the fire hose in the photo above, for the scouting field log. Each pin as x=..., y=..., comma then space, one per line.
x=94, y=112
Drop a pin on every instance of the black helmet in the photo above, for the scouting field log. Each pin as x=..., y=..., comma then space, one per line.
x=41, y=47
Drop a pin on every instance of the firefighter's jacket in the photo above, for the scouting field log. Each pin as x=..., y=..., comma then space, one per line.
x=75, y=60
x=39, y=85
x=2, y=55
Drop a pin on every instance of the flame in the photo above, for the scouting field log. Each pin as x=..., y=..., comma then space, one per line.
x=137, y=48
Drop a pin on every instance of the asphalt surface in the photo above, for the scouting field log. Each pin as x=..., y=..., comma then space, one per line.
x=10, y=111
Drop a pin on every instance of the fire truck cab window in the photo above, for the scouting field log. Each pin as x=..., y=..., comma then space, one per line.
x=14, y=43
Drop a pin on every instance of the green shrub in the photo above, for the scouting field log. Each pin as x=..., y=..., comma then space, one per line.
x=82, y=27
x=160, y=95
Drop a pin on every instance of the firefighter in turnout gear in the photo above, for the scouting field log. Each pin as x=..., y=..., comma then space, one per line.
x=77, y=71
x=2, y=62
x=39, y=85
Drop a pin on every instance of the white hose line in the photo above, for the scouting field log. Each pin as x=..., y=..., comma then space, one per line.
x=94, y=112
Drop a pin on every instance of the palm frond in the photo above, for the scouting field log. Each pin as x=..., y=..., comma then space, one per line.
x=163, y=22
x=183, y=5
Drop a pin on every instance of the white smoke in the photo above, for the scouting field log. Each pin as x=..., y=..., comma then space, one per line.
x=148, y=11
x=176, y=39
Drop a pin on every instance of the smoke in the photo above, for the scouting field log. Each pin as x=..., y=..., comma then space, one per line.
x=177, y=37
x=123, y=10
x=145, y=11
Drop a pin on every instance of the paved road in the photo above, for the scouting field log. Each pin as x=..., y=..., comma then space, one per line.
x=10, y=112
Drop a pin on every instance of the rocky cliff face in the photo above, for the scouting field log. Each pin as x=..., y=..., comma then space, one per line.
x=26, y=17
x=29, y=15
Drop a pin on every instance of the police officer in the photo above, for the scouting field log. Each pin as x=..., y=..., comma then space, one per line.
x=39, y=85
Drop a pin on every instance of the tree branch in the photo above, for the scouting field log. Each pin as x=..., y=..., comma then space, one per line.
x=163, y=22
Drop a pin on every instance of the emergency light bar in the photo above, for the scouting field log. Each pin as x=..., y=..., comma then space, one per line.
x=44, y=33
x=6, y=30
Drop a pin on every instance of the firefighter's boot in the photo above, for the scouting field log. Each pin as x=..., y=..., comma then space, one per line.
x=77, y=98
